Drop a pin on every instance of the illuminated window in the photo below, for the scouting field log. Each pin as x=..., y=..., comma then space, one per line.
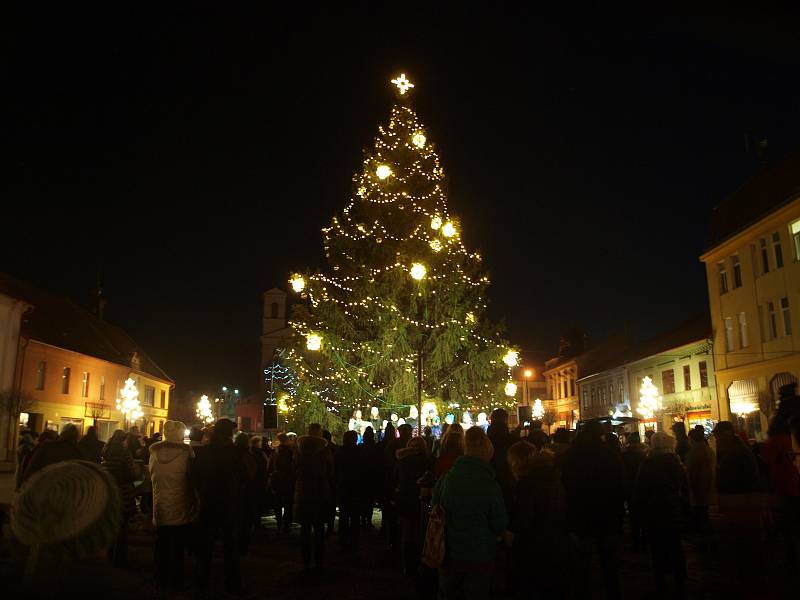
x=772, y=320
x=787, y=316
x=795, y=229
x=149, y=395
x=65, y=380
x=743, y=342
x=723, y=277
x=102, y=387
x=163, y=398
x=85, y=385
x=776, y=250
x=703, y=374
x=729, y=334
x=41, y=371
x=737, y=271
x=668, y=381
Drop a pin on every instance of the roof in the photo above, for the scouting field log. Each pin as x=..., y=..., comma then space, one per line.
x=768, y=190
x=60, y=322
x=594, y=359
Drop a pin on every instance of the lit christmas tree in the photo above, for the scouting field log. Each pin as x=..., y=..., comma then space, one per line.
x=398, y=319
x=649, y=400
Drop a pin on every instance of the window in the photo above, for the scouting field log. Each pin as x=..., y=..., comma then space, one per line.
x=776, y=250
x=762, y=244
x=102, y=387
x=703, y=374
x=41, y=370
x=149, y=395
x=163, y=399
x=795, y=227
x=564, y=383
x=729, y=334
x=65, y=381
x=687, y=377
x=668, y=381
x=787, y=317
x=772, y=321
x=737, y=271
x=743, y=341
x=572, y=387
x=723, y=278
x=85, y=385
x=273, y=310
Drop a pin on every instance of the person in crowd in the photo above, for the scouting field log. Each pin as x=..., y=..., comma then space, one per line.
x=259, y=480
x=739, y=499
x=91, y=448
x=313, y=493
x=195, y=438
x=61, y=449
x=174, y=504
x=373, y=472
x=452, y=447
x=330, y=519
x=659, y=494
x=648, y=433
x=594, y=484
x=117, y=460
x=389, y=518
x=700, y=461
x=48, y=435
x=241, y=441
x=427, y=435
x=501, y=441
x=281, y=482
x=537, y=437
x=351, y=489
x=784, y=478
x=475, y=515
x=24, y=448
x=561, y=443
x=538, y=522
x=632, y=458
x=220, y=478
x=612, y=442
x=681, y=440
x=384, y=482
x=412, y=464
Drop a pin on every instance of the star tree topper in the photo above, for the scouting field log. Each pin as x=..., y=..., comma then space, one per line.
x=402, y=83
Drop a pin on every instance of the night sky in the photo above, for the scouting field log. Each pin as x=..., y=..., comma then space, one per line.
x=191, y=157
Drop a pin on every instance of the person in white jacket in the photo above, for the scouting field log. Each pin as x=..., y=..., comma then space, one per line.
x=174, y=504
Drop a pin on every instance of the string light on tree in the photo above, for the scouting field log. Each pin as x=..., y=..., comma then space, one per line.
x=128, y=402
x=649, y=400
x=436, y=245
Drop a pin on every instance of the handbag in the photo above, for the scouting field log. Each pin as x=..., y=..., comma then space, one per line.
x=434, y=548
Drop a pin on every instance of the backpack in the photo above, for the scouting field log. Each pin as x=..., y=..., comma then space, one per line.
x=433, y=550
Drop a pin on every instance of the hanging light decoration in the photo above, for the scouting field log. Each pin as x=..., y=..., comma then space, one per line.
x=511, y=358
x=298, y=282
x=418, y=271
x=313, y=341
x=511, y=389
x=448, y=229
x=383, y=171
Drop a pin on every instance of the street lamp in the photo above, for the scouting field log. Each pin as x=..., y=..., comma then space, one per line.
x=528, y=373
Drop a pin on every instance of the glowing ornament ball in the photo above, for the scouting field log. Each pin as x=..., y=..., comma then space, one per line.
x=511, y=389
x=298, y=283
x=436, y=223
x=511, y=358
x=436, y=245
x=448, y=229
x=313, y=341
x=418, y=271
x=383, y=171
x=419, y=140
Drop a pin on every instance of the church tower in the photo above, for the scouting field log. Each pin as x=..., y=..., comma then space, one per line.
x=275, y=332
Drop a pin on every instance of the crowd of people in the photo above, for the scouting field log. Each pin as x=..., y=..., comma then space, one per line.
x=512, y=499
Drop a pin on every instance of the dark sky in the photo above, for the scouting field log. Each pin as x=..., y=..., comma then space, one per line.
x=192, y=157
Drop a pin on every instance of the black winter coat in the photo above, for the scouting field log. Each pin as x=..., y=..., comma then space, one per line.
x=220, y=478
x=351, y=476
x=412, y=463
x=661, y=491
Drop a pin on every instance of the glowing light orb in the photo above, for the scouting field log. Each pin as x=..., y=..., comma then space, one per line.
x=298, y=283
x=383, y=171
x=470, y=317
x=511, y=358
x=448, y=229
x=402, y=83
x=436, y=245
x=419, y=140
x=313, y=341
x=528, y=373
x=436, y=222
x=511, y=389
x=418, y=271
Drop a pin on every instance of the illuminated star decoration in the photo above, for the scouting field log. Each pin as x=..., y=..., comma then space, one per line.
x=402, y=83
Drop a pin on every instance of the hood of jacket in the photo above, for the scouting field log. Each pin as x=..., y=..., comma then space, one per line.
x=166, y=452
x=309, y=444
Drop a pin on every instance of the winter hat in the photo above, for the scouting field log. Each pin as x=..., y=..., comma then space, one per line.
x=662, y=442
x=174, y=431
x=67, y=510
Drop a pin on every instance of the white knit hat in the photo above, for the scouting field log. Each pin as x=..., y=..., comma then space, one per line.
x=662, y=442
x=174, y=431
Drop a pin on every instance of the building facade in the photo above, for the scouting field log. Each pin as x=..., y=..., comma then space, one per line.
x=11, y=312
x=753, y=275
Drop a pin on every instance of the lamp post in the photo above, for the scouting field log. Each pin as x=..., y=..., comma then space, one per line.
x=528, y=373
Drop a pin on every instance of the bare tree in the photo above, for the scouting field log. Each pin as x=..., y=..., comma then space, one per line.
x=549, y=418
x=14, y=403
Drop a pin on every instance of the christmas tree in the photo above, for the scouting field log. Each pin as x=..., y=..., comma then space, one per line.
x=398, y=319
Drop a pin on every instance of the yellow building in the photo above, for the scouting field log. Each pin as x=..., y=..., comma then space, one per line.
x=753, y=274
x=72, y=365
